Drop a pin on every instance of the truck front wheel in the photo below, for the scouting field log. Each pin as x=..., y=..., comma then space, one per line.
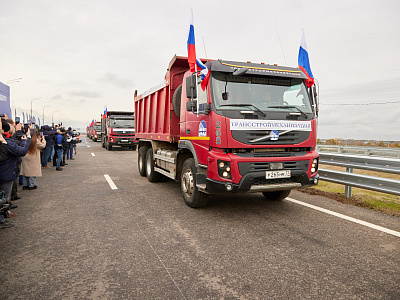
x=277, y=195
x=192, y=196
x=152, y=175
x=142, y=160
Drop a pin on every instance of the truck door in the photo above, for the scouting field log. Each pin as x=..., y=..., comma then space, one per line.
x=196, y=126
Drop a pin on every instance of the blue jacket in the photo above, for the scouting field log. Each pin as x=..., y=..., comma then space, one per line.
x=8, y=169
x=59, y=141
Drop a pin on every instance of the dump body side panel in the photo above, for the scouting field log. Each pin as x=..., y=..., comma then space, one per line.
x=156, y=119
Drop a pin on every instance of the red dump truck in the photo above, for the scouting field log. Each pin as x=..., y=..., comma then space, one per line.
x=95, y=132
x=118, y=129
x=253, y=129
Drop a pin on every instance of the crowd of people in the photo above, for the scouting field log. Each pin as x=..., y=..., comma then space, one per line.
x=26, y=149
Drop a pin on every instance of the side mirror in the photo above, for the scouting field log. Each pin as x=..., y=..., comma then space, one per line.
x=207, y=109
x=191, y=91
x=315, y=98
x=191, y=105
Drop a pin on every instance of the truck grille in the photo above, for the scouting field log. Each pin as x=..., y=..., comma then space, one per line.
x=264, y=166
x=124, y=131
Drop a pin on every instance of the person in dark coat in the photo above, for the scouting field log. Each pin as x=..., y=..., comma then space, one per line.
x=48, y=136
x=8, y=169
x=3, y=147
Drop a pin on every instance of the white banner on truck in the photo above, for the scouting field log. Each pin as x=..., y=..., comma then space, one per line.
x=241, y=124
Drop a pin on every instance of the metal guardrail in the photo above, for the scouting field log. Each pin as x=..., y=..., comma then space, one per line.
x=357, y=150
x=349, y=179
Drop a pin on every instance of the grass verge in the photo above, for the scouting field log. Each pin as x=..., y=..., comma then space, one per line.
x=386, y=203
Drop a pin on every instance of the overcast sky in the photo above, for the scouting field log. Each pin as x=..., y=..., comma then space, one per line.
x=82, y=55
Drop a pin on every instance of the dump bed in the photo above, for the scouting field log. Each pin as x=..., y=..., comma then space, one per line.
x=155, y=117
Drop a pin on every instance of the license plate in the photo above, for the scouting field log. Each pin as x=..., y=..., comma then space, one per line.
x=124, y=141
x=277, y=174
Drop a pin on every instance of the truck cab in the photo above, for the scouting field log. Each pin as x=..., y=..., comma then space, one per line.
x=118, y=129
x=254, y=128
x=96, y=131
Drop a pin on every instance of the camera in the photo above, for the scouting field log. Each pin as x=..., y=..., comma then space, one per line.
x=25, y=129
x=17, y=120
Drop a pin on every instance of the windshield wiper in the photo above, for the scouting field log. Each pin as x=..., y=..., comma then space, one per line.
x=259, y=110
x=290, y=106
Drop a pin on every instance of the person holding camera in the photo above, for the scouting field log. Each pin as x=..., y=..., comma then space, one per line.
x=70, y=143
x=3, y=147
x=48, y=134
x=59, y=143
x=8, y=169
x=31, y=167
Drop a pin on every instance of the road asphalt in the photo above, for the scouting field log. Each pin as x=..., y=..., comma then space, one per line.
x=77, y=238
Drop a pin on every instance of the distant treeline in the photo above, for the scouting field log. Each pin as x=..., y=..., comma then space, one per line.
x=361, y=143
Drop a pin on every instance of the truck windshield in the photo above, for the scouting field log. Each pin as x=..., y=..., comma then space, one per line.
x=265, y=93
x=122, y=123
x=97, y=127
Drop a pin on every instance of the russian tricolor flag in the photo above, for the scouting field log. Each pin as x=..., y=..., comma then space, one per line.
x=204, y=73
x=304, y=62
x=105, y=112
x=192, y=58
x=191, y=46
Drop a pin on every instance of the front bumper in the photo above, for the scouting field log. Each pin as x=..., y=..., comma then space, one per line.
x=255, y=182
x=122, y=141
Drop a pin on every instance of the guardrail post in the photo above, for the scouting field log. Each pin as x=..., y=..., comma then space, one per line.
x=347, y=188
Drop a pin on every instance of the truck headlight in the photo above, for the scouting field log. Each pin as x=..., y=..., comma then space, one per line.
x=224, y=169
x=314, y=165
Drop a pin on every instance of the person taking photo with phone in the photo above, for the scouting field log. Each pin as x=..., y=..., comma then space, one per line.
x=31, y=167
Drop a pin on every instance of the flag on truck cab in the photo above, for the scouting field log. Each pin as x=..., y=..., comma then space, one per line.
x=204, y=73
x=191, y=45
x=105, y=112
x=304, y=62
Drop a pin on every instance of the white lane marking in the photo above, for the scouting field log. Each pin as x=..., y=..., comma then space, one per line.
x=110, y=182
x=88, y=146
x=370, y=225
x=93, y=154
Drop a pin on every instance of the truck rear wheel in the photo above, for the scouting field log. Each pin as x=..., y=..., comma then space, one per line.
x=192, y=196
x=152, y=175
x=277, y=195
x=176, y=101
x=142, y=160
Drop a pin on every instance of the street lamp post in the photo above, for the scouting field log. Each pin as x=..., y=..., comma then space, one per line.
x=43, y=112
x=38, y=98
x=14, y=80
x=52, y=114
